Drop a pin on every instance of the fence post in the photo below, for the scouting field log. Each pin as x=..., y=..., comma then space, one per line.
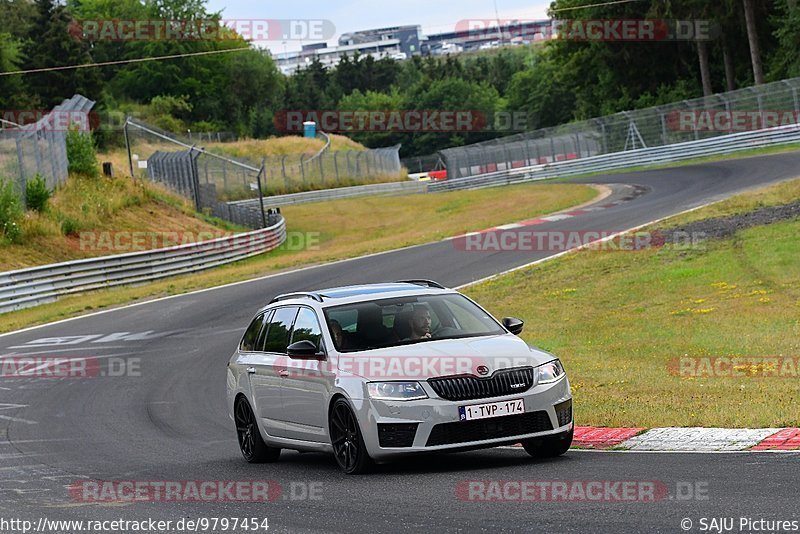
x=321, y=170
x=794, y=94
x=261, y=193
x=128, y=145
x=303, y=167
x=195, y=178
x=336, y=166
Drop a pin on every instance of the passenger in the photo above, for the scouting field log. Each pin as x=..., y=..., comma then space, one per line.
x=420, y=323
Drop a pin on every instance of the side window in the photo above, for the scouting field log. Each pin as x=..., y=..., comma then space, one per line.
x=306, y=327
x=263, y=335
x=280, y=327
x=251, y=335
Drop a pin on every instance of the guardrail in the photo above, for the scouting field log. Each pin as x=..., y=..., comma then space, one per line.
x=633, y=158
x=38, y=285
x=391, y=188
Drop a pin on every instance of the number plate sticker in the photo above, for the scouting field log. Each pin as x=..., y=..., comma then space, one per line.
x=491, y=409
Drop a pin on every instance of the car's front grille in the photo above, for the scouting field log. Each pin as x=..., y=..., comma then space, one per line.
x=506, y=382
x=564, y=412
x=397, y=434
x=495, y=427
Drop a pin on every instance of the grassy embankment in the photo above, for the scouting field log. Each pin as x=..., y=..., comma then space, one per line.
x=622, y=320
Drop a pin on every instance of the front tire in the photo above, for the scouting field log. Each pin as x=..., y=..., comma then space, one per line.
x=346, y=439
x=251, y=443
x=548, y=446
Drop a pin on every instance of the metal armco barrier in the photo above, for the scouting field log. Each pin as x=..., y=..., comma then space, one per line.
x=38, y=285
x=390, y=188
x=634, y=158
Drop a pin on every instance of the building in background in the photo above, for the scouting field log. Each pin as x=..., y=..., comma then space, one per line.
x=403, y=42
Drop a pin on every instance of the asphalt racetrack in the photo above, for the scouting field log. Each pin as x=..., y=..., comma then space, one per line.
x=167, y=421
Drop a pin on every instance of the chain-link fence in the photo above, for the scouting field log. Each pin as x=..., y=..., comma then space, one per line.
x=40, y=148
x=330, y=169
x=417, y=164
x=211, y=137
x=207, y=179
x=753, y=108
x=235, y=178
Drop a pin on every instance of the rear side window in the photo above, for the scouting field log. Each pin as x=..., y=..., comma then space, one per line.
x=280, y=326
x=251, y=335
x=306, y=327
x=262, y=336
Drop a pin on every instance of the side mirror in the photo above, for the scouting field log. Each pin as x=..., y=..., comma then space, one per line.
x=304, y=350
x=513, y=325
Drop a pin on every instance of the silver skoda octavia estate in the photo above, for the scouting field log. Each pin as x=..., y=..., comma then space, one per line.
x=378, y=371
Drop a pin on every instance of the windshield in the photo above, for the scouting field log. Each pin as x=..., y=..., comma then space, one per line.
x=400, y=321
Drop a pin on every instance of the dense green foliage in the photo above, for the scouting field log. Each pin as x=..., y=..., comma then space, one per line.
x=243, y=91
x=37, y=194
x=81, y=154
x=10, y=212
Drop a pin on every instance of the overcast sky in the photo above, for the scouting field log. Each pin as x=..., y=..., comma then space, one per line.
x=435, y=16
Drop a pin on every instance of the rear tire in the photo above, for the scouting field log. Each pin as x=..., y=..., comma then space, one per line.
x=548, y=446
x=346, y=439
x=251, y=443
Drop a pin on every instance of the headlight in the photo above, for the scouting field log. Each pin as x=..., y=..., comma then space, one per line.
x=551, y=372
x=402, y=391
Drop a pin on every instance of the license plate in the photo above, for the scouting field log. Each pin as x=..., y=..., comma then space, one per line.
x=491, y=409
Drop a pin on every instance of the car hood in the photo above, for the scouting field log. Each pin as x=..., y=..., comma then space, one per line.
x=446, y=357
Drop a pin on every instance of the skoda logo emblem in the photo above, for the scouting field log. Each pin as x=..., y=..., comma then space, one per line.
x=483, y=370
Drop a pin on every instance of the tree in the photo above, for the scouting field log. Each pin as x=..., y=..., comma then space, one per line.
x=51, y=45
x=12, y=88
x=752, y=39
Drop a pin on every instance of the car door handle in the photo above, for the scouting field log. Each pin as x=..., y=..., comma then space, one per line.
x=251, y=370
x=283, y=373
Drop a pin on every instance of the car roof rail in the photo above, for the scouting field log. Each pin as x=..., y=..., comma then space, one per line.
x=300, y=295
x=425, y=283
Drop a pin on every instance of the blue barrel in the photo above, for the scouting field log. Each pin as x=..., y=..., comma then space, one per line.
x=310, y=129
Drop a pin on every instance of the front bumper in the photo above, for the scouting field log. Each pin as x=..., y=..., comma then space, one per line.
x=433, y=424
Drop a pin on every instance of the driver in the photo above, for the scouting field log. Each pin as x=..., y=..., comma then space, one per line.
x=337, y=334
x=420, y=323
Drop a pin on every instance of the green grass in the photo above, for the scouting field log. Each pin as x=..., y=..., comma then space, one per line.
x=345, y=229
x=619, y=320
x=84, y=204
